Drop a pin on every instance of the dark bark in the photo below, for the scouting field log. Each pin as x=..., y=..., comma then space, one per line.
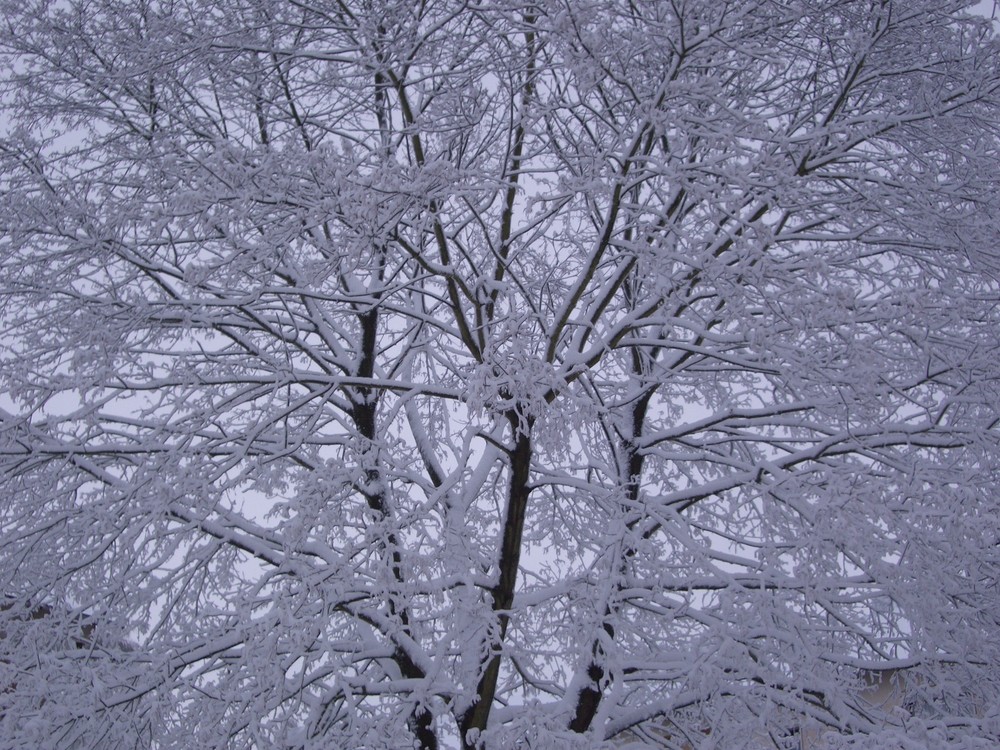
x=364, y=413
x=589, y=699
x=476, y=718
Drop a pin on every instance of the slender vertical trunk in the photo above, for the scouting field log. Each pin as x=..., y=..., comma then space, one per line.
x=476, y=717
x=589, y=699
x=364, y=413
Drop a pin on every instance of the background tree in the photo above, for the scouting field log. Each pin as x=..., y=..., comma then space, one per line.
x=498, y=375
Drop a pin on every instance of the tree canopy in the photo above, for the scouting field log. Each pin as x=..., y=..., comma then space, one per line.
x=446, y=374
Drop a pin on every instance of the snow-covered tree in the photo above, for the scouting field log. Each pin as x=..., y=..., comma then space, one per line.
x=547, y=373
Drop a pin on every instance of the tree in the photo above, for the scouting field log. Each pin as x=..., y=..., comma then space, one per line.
x=383, y=374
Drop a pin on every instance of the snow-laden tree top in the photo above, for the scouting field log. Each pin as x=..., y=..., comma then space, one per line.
x=493, y=375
